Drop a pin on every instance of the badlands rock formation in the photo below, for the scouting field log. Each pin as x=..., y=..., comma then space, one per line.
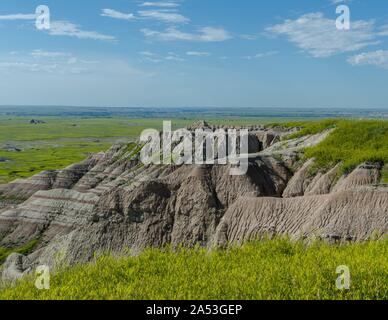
x=112, y=202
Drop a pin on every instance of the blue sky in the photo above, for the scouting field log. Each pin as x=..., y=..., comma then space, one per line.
x=224, y=53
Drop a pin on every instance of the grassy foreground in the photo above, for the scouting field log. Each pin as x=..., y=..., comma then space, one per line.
x=273, y=269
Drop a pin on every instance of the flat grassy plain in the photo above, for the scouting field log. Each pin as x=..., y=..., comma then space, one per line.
x=271, y=270
x=59, y=142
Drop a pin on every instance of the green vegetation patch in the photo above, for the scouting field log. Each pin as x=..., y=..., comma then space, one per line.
x=273, y=269
x=312, y=127
x=352, y=143
x=25, y=250
x=384, y=174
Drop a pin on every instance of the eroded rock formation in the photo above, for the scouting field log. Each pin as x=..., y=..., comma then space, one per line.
x=111, y=202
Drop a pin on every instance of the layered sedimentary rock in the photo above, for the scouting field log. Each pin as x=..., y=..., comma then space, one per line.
x=112, y=202
x=345, y=215
x=46, y=180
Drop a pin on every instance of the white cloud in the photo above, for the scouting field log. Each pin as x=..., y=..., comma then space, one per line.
x=262, y=55
x=157, y=58
x=165, y=16
x=147, y=53
x=32, y=67
x=72, y=60
x=160, y=4
x=249, y=37
x=66, y=28
x=206, y=34
x=19, y=65
x=174, y=57
x=383, y=30
x=18, y=16
x=117, y=14
x=50, y=63
x=319, y=36
x=62, y=28
x=376, y=58
x=48, y=54
x=150, y=57
x=197, y=53
x=340, y=1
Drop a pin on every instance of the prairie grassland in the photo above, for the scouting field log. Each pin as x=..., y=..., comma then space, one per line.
x=275, y=269
x=60, y=142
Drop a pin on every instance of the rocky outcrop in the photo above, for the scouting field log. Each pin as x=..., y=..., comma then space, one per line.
x=46, y=180
x=15, y=267
x=268, y=138
x=347, y=215
x=364, y=175
x=323, y=182
x=300, y=181
x=112, y=202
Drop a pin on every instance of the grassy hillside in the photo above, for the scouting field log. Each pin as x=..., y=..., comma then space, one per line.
x=351, y=143
x=274, y=269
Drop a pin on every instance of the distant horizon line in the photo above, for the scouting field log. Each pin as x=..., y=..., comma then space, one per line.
x=186, y=107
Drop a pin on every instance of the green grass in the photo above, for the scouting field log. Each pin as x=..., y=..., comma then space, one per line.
x=273, y=269
x=32, y=161
x=384, y=174
x=353, y=142
x=312, y=127
x=25, y=250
